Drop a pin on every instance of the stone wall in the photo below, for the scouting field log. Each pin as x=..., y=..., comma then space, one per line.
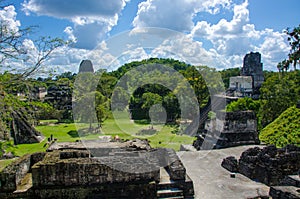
x=11, y=176
x=131, y=171
x=111, y=191
x=268, y=165
x=252, y=66
x=53, y=171
x=86, y=66
x=22, y=131
x=174, y=166
x=229, y=129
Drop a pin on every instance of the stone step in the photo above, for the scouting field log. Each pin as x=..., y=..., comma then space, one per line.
x=176, y=197
x=291, y=180
x=164, y=176
x=167, y=193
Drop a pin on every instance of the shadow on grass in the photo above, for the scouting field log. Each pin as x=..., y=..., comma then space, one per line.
x=83, y=132
x=73, y=134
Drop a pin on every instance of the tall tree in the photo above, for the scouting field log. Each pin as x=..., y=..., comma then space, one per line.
x=16, y=46
x=294, y=41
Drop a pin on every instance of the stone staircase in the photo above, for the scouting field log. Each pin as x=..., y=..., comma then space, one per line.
x=168, y=189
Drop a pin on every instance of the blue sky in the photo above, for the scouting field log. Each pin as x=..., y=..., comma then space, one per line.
x=215, y=33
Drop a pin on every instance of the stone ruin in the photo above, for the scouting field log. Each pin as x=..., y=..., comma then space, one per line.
x=22, y=131
x=250, y=79
x=228, y=129
x=253, y=67
x=130, y=170
x=86, y=66
x=276, y=167
x=60, y=96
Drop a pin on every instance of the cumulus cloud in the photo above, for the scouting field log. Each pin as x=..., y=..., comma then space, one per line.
x=92, y=19
x=236, y=37
x=230, y=38
x=8, y=20
x=186, y=49
x=174, y=14
x=76, y=10
x=274, y=48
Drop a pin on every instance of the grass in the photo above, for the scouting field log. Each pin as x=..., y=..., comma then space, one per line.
x=124, y=129
x=4, y=163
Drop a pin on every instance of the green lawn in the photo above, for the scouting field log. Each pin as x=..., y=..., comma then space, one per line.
x=68, y=133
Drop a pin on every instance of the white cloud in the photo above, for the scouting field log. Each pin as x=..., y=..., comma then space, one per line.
x=174, y=14
x=75, y=10
x=274, y=48
x=236, y=37
x=8, y=20
x=229, y=37
x=70, y=32
x=92, y=19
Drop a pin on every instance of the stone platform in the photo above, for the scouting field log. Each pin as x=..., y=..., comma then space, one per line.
x=105, y=170
x=211, y=181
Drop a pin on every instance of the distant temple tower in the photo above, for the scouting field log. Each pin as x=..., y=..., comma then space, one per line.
x=253, y=67
x=86, y=66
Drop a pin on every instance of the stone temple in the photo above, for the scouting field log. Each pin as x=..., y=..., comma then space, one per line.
x=250, y=79
x=86, y=66
x=228, y=129
x=129, y=169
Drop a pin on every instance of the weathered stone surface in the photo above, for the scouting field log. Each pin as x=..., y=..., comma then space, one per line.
x=229, y=129
x=174, y=166
x=23, y=132
x=212, y=181
x=270, y=165
x=86, y=66
x=253, y=67
x=291, y=180
x=284, y=192
x=251, y=79
x=230, y=163
x=83, y=172
x=11, y=176
x=102, y=173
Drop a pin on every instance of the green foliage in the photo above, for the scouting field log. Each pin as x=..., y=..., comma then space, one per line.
x=227, y=73
x=45, y=111
x=243, y=104
x=284, y=130
x=294, y=41
x=278, y=93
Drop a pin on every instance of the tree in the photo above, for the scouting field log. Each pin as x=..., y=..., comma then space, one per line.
x=283, y=66
x=102, y=107
x=294, y=41
x=14, y=46
x=15, y=42
x=278, y=94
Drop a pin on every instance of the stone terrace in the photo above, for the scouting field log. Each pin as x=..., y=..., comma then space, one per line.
x=112, y=170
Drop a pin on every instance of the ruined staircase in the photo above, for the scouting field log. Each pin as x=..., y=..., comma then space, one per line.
x=168, y=189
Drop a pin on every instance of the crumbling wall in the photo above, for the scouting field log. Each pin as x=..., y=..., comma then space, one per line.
x=23, y=132
x=268, y=165
x=252, y=66
x=230, y=129
x=174, y=166
x=11, y=176
x=53, y=171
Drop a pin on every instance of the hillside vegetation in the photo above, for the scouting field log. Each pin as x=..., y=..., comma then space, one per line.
x=283, y=130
